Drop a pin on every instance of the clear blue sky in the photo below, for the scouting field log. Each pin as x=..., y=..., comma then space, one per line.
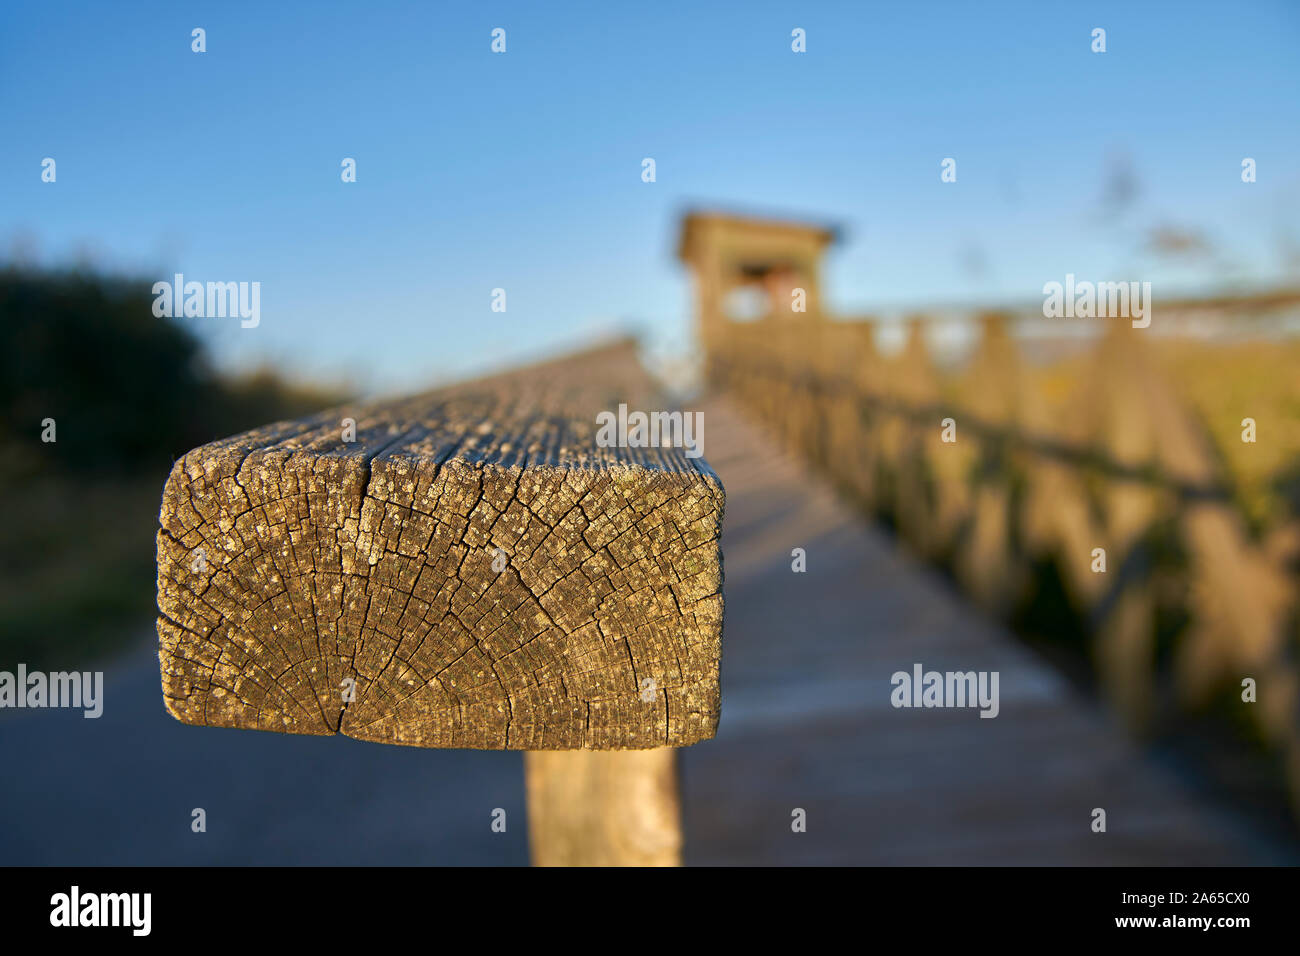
x=522, y=170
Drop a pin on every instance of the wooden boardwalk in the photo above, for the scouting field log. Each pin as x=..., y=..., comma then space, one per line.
x=807, y=720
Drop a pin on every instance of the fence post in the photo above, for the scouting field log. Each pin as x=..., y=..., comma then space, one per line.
x=604, y=807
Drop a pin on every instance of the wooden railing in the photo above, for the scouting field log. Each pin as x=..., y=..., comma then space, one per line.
x=469, y=568
x=1112, y=477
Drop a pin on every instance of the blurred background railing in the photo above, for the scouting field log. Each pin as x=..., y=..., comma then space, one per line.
x=1065, y=436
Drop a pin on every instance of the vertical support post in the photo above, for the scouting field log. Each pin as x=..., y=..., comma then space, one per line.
x=603, y=807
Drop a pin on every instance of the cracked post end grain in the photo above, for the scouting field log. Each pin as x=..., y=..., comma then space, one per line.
x=290, y=561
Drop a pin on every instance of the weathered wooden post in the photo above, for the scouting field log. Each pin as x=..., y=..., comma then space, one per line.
x=467, y=568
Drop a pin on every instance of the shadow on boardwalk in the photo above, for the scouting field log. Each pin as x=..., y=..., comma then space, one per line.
x=806, y=723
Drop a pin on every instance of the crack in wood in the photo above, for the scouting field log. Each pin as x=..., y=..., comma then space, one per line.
x=614, y=572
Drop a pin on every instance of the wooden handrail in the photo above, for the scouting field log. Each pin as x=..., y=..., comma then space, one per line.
x=472, y=569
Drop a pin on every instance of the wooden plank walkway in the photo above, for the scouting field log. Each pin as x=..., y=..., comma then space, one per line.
x=807, y=720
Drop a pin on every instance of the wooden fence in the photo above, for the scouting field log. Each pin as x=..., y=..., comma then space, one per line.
x=1104, y=474
x=473, y=567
